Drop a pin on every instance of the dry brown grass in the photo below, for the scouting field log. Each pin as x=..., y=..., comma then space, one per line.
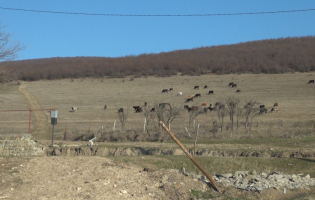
x=291, y=91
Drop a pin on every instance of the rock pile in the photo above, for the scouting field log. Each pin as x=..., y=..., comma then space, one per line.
x=253, y=181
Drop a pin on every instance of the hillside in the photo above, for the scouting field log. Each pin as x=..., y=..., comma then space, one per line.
x=265, y=56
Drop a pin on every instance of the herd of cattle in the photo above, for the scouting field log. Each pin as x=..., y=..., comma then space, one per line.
x=205, y=106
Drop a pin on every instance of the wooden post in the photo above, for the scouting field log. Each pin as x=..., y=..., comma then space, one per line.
x=196, y=140
x=144, y=124
x=65, y=135
x=190, y=156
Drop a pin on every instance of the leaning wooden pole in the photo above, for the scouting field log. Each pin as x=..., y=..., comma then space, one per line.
x=189, y=155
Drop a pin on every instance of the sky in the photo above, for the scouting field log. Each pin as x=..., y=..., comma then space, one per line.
x=147, y=26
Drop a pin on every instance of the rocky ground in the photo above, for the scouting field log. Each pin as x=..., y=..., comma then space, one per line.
x=84, y=177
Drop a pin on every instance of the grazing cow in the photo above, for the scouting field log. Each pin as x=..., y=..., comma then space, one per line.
x=205, y=87
x=164, y=90
x=196, y=87
x=234, y=85
x=137, y=109
x=74, y=109
x=311, y=81
x=145, y=104
x=238, y=91
x=275, y=104
x=121, y=110
x=197, y=95
x=275, y=108
x=189, y=99
x=191, y=96
x=210, y=92
x=179, y=93
x=262, y=110
x=205, y=104
x=190, y=108
x=152, y=110
x=171, y=89
x=231, y=83
x=105, y=107
x=262, y=106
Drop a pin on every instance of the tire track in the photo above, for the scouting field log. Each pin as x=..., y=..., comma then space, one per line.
x=40, y=122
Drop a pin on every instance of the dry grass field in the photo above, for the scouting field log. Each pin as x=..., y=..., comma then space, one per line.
x=289, y=130
x=295, y=97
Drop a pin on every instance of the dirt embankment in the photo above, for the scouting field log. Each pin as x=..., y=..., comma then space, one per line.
x=136, y=151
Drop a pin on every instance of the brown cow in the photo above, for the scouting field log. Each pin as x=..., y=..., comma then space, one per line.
x=275, y=104
x=275, y=108
x=192, y=108
x=191, y=96
x=189, y=99
x=196, y=87
x=171, y=89
x=205, y=104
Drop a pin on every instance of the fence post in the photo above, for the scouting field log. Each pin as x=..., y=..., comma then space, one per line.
x=190, y=156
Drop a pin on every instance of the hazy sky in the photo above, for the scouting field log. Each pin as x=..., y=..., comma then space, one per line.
x=69, y=35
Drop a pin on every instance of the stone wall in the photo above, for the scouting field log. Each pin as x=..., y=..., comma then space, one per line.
x=19, y=145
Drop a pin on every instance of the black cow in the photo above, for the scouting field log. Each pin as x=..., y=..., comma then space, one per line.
x=137, y=109
x=121, y=110
x=164, y=90
x=197, y=95
x=234, y=85
x=145, y=104
x=196, y=87
x=237, y=91
x=311, y=81
x=210, y=92
x=262, y=110
x=105, y=107
x=205, y=87
x=152, y=110
x=231, y=83
x=262, y=106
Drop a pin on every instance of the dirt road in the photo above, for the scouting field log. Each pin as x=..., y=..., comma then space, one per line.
x=40, y=122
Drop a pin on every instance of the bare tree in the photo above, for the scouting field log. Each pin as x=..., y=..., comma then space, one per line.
x=250, y=111
x=233, y=106
x=8, y=51
x=123, y=114
x=194, y=112
x=167, y=112
x=172, y=113
x=221, y=114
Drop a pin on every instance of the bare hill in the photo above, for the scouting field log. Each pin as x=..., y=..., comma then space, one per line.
x=265, y=56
